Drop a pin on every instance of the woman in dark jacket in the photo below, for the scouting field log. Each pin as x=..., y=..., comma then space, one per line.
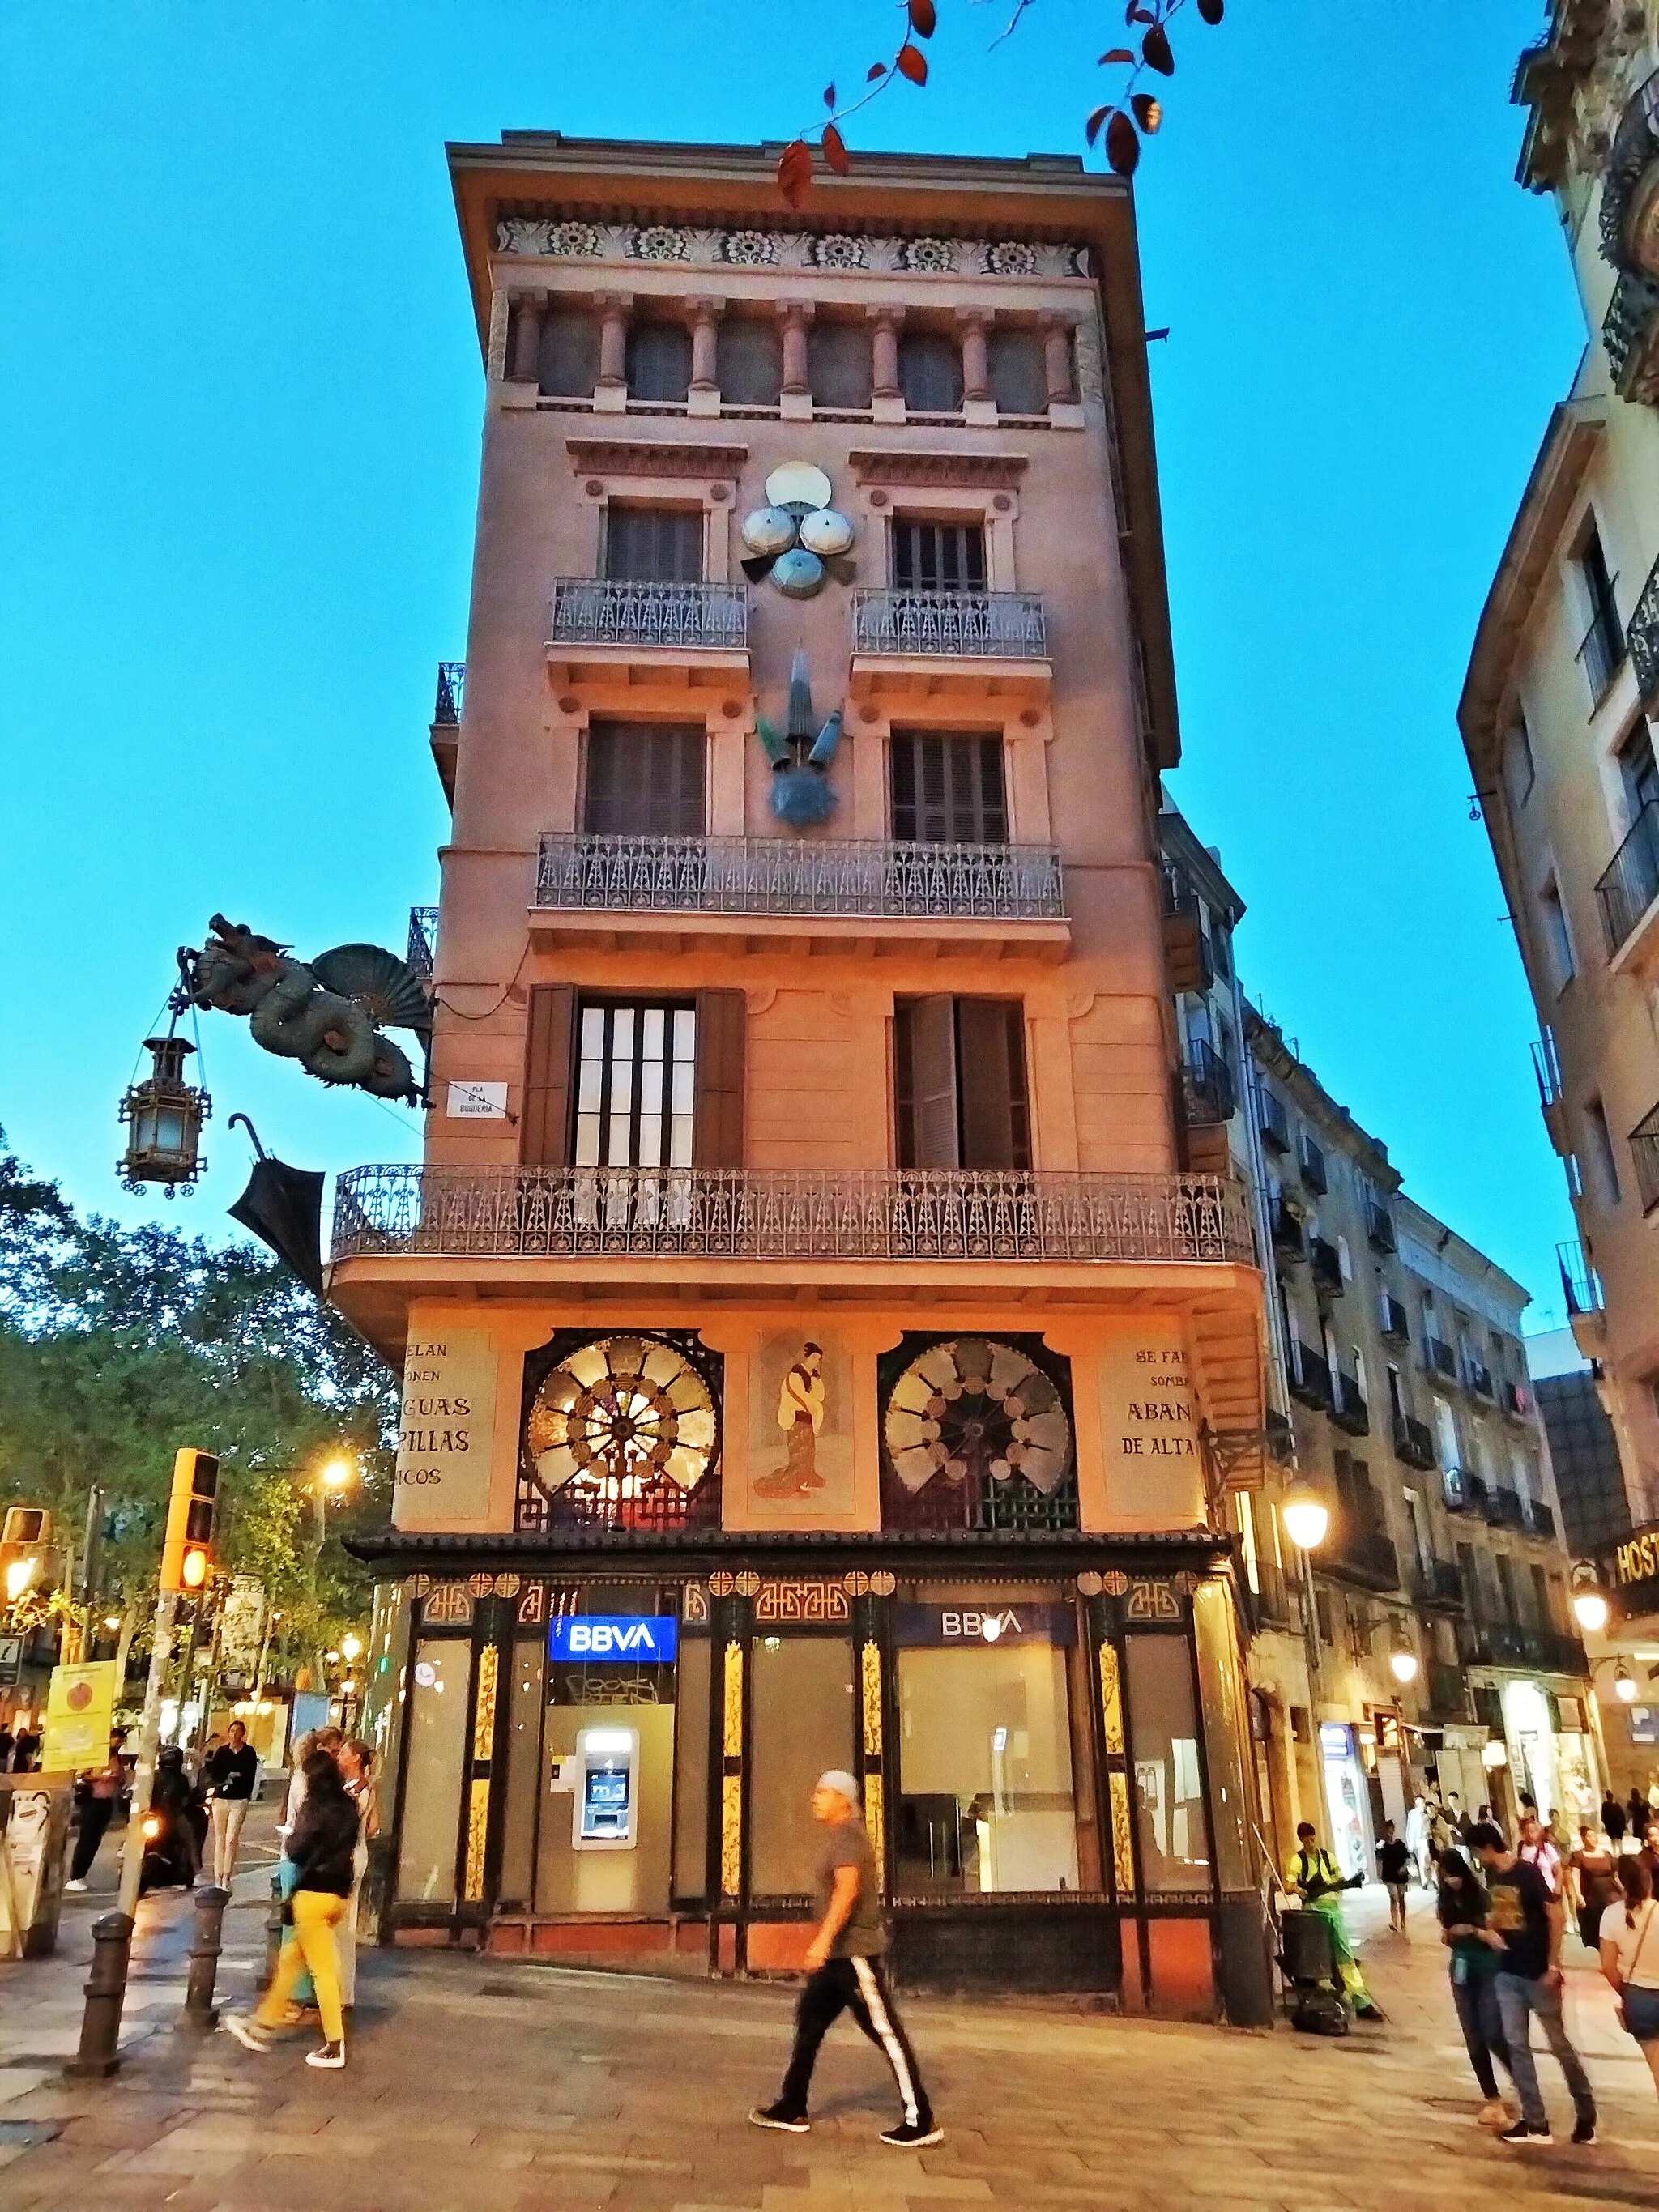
x=1462, y=1907
x=320, y=1844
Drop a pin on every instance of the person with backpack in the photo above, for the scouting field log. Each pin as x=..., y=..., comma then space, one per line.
x=1629, y=1958
x=1318, y=1882
x=1474, y=1947
x=320, y=1844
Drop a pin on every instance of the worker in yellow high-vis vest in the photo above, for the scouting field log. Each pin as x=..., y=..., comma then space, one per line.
x=1318, y=1882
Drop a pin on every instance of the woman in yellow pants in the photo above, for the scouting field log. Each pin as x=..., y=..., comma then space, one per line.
x=320, y=1844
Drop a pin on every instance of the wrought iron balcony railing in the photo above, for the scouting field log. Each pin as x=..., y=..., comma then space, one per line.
x=1499, y=1644
x=1602, y=649
x=1288, y=1235
x=1439, y=1358
x=1479, y=1378
x=1312, y=1161
x=823, y=877
x=452, y=688
x=1310, y=1376
x=1515, y=1398
x=1327, y=1264
x=1641, y=636
x=978, y=625
x=1581, y=1285
x=1502, y=1506
x=1207, y=1084
x=1644, y=1150
x=1275, y=1122
x=1635, y=148
x=1437, y=1582
x=423, y=938
x=1348, y=1408
x=766, y=1215
x=1537, y=1518
x=1363, y=1551
x=1379, y=1225
x=1396, y=1321
x=624, y=611
x=1630, y=332
x=1631, y=884
x=1413, y=1443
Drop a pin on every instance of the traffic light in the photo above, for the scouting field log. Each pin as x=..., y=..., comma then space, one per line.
x=192, y=1507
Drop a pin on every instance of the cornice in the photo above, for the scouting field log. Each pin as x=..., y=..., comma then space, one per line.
x=879, y=466
x=651, y=457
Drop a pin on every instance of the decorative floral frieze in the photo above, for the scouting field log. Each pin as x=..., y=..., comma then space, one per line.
x=833, y=252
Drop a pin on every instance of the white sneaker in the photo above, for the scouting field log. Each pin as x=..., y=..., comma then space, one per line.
x=331, y=2055
x=74, y=1885
x=246, y=2031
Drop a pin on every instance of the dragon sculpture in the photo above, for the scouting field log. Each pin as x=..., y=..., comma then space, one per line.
x=328, y=1013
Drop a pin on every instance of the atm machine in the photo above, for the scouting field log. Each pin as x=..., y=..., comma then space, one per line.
x=605, y=1809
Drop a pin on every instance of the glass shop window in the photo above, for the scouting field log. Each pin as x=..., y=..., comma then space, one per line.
x=691, y=1719
x=930, y=372
x=645, y=779
x=569, y=362
x=1174, y=1833
x=1020, y=383
x=658, y=360
x=439, y=1678
x=839, y=365
x=750, y=355
x=526, y=1695
x=985, y=1796
x=801, y=1720
x=653, y=544
x=635, y=1086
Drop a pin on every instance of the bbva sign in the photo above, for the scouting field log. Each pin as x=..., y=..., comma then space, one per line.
x=648, y=1639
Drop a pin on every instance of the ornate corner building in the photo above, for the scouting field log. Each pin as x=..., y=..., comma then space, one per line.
x=815, y=1325
x=1557, y=718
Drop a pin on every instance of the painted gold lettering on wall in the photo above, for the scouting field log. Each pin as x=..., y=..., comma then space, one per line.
x=1637, y=1561
x=1149, y=1424
x=445, y=1430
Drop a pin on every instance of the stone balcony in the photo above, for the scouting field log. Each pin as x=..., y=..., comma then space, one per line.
x=968, y=645
x=831, y=893
x=601, y=627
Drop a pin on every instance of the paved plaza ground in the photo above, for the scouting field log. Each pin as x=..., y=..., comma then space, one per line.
x=480, y=2086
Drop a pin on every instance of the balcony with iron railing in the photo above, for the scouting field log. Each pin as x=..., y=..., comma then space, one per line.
x=1503, y=1643
x=1348, y=1408
x=1501, y=1505
x=1290, y=1240
x=1275, y=1120
x=444, y=734
x=1478, y=1377
x=1187, y=957
x=767, y=1216
x=1456, y=1487
x=1310, y=1376
x=1396, y=1321
x=1413, y=1443
x=1361, y=1550
x=851, y=888
x=1379, y=1227
x=1207, y=1085
x=1439, y=1358
x=1642, y=637
x=606, y=621
x=959, y=645
x=1602, y=649
x=1326, y=1263
x=423, y=939
x=1626, y=891
x=1515, y=1400
x=1644, y=1150
x=1581, y=1288
x=1437, y=1582
x=1630, y=332
x=1448, y=1691
x=1537, y=1518
x=1311, y=1161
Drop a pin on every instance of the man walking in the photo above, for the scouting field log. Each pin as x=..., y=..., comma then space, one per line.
x=230, y=1773
x=844, y=1973
x=1529, y=1918
x=104, y=1786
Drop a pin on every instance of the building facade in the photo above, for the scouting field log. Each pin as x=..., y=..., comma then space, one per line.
x=1555, y=713
x=817, y=1349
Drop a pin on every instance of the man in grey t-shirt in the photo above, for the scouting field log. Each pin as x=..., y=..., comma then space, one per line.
x=844, y=1973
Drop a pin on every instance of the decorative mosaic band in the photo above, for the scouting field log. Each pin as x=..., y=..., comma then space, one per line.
x=554, y=240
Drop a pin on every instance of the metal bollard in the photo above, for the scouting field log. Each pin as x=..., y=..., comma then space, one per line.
x=200, y=2013
x=106, y=1991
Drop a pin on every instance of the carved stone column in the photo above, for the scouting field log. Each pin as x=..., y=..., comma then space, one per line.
x=610, y=391
x=975, y=363
x=796, y=401
x=1057, y=360
x=887, y=394
x=529, y=307
x=704, y=395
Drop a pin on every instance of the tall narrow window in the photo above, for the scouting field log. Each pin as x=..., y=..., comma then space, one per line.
x=644, y=779
x=959, y=1083
x=1558, y=941
x=1639, y=769
x=653, y=544
x=1602, y=650
x=1519, y=773
x=838, y=365
x=658, y=360
x=569, y=358
x=937, y=557
x=635, y=1085
x=947, y=789
x=1606, y=1164
x=751, y=358
x=930, y=372
x=1018, y=384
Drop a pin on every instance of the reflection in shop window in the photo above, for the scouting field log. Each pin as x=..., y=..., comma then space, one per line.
x=985, y=1772
x=432, y=1788
x=1174, y=1834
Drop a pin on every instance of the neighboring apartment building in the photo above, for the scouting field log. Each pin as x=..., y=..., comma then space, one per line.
x=1555, y=715
x=815, y=1349
x=1440, y=1620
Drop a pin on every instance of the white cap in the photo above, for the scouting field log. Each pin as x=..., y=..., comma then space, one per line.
x=838, y=1780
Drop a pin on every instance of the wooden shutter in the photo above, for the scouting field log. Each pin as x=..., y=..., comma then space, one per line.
x=992, y=1061
x=544, y=1119
x=645, y=779
x=933, y=1082
x=717, y=1124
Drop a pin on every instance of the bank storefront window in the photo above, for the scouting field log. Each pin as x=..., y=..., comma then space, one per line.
x=1174, y=1833
x=985, y=1790
x=801, y=1715
x=437, y=1724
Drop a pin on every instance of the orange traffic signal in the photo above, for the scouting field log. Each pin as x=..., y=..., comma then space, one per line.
x=192, y=1508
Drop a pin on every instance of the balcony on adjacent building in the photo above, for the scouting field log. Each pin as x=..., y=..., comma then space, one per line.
x=1361, y=1551
x=1437, y=1582
x=603, y=627
x=1547, y=1069
x=1457, y=1488
x=1396, y=1321
x=1348, y=1408
x=1537, y=1518
x=1581, y=1287
x=446, y=722
x=1502, y=1644
x=765, y=1215
x=1641, y=636
x=994, y=899
x=1188, y=958
x=1413, y=1443
x=1626, y=892
x=423, y=939
x=1275, y=1122
x=944, y=644
x=1501, y=1505
x=1290, y=1241
x=1630, y=332
x=1379, y=1225
x=1479, y=1378
x=1207, y=1086
x=1310, y=1376
x=1644, y=1150
x=1515, y=1400
x=1311, y=1160
x=1326, y=1263
x=1448, y=1691
x=1439, y=1358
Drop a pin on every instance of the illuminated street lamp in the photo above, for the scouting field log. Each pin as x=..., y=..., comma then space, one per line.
x=1590, y=1601
x=1494, y=1753
x=1403, y=1660
x=1624, y=1685
x=350, y=1644
x=1305, y=1515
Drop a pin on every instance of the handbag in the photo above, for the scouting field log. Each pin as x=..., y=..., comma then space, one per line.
x=1635, y=1961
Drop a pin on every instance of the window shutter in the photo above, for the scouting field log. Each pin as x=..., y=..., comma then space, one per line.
x=750, y=355
x=544, y=1119
x=570, y=355
x=933, y=1082
x=1020, y=383
x=992, y=1077
x=717, y=1124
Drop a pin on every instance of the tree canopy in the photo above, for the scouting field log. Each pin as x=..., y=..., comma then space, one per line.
x=117, y=1346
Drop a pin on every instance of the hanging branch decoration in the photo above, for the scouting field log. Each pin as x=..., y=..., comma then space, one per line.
x=1132, y=115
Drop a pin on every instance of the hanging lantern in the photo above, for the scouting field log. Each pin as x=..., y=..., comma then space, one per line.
x=164, y=1116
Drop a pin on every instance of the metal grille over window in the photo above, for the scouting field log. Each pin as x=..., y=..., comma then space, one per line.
x=947, y=789
x=937, y=557
x=635, y=1084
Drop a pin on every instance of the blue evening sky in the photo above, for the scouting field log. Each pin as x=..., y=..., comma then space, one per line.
x=240, y=396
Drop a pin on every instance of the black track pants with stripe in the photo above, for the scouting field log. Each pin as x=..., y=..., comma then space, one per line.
x=858, y=1986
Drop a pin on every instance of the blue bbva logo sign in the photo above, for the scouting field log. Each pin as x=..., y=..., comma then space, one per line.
x=646, y=1638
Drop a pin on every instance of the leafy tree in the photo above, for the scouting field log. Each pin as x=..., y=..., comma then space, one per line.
x=116, y=1346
